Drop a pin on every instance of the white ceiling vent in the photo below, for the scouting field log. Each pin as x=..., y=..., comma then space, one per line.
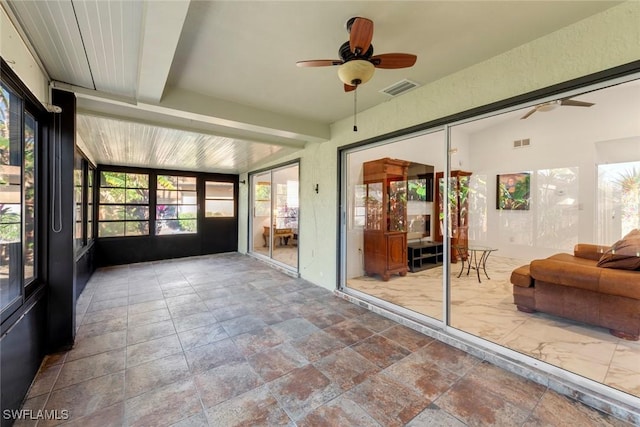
x=400, y=87
x=519, y=143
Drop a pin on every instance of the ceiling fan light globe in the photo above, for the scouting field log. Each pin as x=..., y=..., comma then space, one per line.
x=357, y=70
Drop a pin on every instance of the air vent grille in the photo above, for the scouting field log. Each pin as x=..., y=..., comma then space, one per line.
x=520, y=143
x=400, y=87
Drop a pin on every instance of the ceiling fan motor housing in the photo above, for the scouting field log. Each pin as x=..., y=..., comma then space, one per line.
x=346, y=55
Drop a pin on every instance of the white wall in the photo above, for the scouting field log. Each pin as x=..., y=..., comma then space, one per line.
x=597, y=43
x=15, y=52
x=563, y=138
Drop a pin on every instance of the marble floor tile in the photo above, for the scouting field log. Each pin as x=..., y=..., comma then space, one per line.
x=256, y=407
x=259, y=356
x=323, y=318
x=317, y=345
x=447, y=357
x=164, y=405
x=157, y=373
x=406, y=337
x=380, y=351
x=143, y=307
x=107, y=303
x=340, y=412
x=45, y=379
x=193, y=321
x=423, y=377
x=388, y=401
x=79, y=370
x=97, y=344
x=149, y=331
x=294, y=328
x=88, y=397
x=212, y=355
x=346, y=367
x=99, y=328
x=302, y=390
x=275, y=362
x=153, y=349
x=432, y=415
x=557, y=410
x=225, y=382
x=204, y=335
x=257, y=340
x=476, y=406
x=507, y=386
x=197, y=420
x=111, y=416
x=242, y=324
x=349, y=332
x=147, y=317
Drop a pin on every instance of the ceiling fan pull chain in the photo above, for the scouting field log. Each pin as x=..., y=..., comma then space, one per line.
x=355, y=109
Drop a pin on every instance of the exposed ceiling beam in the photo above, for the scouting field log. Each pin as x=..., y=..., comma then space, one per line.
x=124, y=109
x=162, y=26
x=243, y=117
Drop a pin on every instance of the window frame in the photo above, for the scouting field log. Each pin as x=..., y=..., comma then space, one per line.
x=124, y=204
x=28, y=109
x=177, y=204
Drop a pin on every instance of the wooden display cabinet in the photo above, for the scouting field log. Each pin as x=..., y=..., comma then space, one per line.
x=385, y=231
x=459, y=210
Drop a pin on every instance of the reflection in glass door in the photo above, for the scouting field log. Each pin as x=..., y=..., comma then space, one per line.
x=618, y=200
x=275, y=212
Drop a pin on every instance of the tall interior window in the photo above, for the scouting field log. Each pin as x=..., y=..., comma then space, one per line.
x=276, y=210
x=537, y=199
x=177, y=205
x=124, y=204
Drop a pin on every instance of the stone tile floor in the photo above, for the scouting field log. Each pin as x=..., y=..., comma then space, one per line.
x=225, y=340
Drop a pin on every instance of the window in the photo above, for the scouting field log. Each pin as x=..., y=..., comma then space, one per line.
x=219, y=200
x=90, y=178
x=177, y=205
x=18, y=144
x=78, y=197
x=10, y=198
x=30, y=137
x=124, y=204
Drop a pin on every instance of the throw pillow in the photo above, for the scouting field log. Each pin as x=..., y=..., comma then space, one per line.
x=624, y=254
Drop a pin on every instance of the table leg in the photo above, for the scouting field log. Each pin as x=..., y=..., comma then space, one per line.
x=485, y=256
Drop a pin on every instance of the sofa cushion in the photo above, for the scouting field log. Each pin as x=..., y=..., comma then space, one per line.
x=522, y=277
x=623, y=254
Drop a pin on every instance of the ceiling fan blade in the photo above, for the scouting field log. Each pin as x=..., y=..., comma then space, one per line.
x=349, y=88
x=574, y=103
x=319, y=63
x=360, y=35
x=394, y=60
x=530, y=112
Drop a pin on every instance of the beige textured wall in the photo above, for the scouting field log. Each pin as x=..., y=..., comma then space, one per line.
x=597, y=43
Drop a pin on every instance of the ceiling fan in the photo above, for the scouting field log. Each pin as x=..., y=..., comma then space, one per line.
x=552, y=105
x=357, y=62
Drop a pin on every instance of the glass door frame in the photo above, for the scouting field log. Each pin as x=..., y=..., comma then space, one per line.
x=252, y=229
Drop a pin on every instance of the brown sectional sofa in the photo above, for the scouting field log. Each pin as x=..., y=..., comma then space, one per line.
x=574, y=287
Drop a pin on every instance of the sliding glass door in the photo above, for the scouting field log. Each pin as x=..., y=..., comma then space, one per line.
x=274, y=215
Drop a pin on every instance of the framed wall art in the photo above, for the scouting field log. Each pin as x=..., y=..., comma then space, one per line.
x=513, y=191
